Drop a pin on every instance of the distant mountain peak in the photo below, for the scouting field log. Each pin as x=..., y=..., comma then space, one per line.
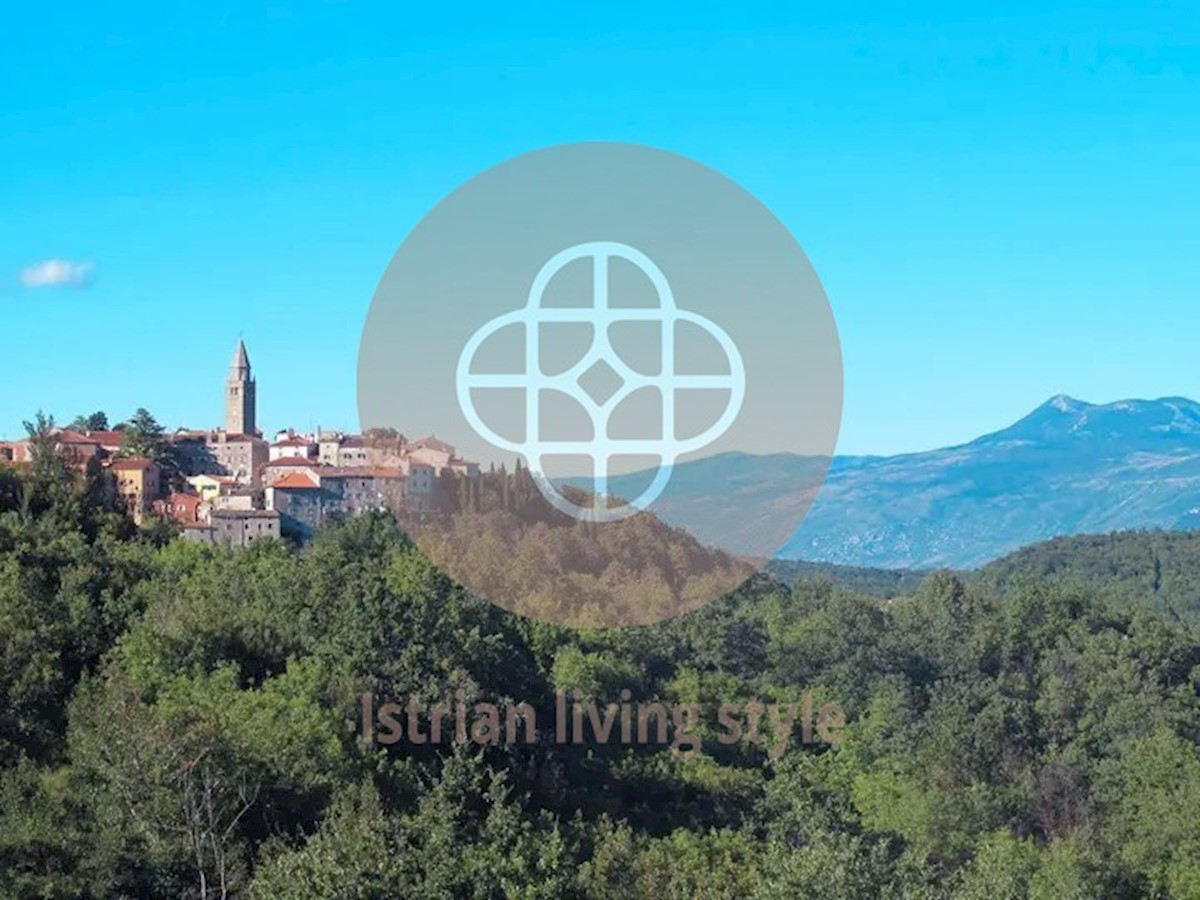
x=1067, y=467
x=1063, y=418
x=1067, y=404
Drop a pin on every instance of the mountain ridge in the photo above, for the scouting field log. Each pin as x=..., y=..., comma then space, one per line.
x=1068, y=467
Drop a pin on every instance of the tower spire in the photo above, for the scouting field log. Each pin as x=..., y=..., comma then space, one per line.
x=240, y=394
x=241, y=359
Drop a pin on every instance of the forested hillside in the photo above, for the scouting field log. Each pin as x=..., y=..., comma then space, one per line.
x=1155, y=570
x=183, y=721
x=881, y=583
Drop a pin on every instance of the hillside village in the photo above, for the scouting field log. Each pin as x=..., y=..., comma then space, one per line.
x=231, y=486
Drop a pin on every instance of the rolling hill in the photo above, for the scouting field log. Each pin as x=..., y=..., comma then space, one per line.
x=1154, y=570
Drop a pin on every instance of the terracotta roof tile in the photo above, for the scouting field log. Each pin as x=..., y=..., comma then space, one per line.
x=243, y=439
x=67, y=436
x=109, y=438
x=132, y=464
x=434, y=443
x=295, y=481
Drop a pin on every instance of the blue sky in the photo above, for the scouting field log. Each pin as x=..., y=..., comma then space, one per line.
x=1000, y=208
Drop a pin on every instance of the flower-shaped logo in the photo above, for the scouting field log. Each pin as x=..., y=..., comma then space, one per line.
x=601, y=360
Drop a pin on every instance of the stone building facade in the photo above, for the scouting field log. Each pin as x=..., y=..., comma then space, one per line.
x=243, y=527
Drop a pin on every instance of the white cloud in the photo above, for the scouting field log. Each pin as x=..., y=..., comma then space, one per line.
x=50, y=272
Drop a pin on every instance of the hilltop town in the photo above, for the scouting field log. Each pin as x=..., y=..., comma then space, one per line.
x=230, y=485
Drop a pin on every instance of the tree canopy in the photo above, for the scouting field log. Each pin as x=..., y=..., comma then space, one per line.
x=179, y=720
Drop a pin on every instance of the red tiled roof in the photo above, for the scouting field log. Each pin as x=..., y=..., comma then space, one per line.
x=433, y=444
x=294, y=441
x=295, y=481
x=292, y=461
x=109, y=438
x=132, y=464
x=386, y=472
x=67, y=436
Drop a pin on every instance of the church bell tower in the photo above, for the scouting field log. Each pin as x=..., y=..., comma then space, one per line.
x=239, y=394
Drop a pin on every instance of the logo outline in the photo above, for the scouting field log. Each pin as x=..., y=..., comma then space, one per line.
x=532, y=381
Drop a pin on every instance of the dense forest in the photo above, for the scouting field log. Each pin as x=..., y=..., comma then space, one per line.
x=1156, y=570
x=185, y=721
